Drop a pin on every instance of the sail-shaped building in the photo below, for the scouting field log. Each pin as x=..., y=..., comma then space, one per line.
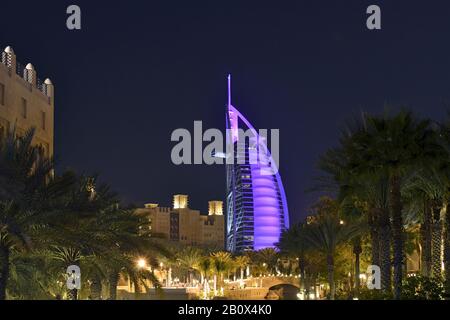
x=256, y=209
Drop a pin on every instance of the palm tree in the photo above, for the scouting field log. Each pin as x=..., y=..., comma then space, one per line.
x=293, y=243
x=31, y=278
x=242, y=262
x=65, y=219
x=221, y=264
x=63, y=258
x=397, y=145
x=368, y=191
x=205, y=268
x=129, y=237
x=425, y=191
x=447, y=253
x=87, y=226
x=436, y=239
x=123, y=265
x=352, y=213
x=325, y=235
x=28, y=189
x=445, y=169
x=189, y=259
x=268, y=257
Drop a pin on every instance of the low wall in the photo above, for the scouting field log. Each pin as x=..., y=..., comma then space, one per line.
x=167, y=294
x=247, y=294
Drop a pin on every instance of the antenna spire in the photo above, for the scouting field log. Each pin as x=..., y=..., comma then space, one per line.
x=229, y=89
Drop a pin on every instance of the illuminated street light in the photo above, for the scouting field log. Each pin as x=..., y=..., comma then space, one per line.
x=141, y=263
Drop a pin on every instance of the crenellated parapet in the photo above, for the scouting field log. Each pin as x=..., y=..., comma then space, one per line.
x=27, y=73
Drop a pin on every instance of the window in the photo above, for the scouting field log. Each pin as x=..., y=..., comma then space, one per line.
x=43, y=120
x=24, y=108
x=2, y=94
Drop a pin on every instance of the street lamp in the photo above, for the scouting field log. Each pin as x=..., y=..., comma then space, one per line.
x=141, y=263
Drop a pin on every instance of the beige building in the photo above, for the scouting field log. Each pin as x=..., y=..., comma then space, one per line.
x=185, y=225
x=25, y=101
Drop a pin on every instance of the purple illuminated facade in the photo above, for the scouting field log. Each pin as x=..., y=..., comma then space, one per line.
x=257, y=210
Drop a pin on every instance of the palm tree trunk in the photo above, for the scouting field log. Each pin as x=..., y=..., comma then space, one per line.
x=96, y=288
x=436, y=243
x=397, y=232
x=385, y=251
x=72, y=294
x=330, y=267
x=374, y=236
x=312, y=283
x=301, y=265
x=113, y=282
x=308, y=280
x=357, y=250
x=425, y=239
x=4, y=270
x=447, y=253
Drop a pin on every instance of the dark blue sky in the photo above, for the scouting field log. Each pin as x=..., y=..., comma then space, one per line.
x=140, y=69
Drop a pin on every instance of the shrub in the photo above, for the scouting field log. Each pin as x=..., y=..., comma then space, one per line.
x=422, y=288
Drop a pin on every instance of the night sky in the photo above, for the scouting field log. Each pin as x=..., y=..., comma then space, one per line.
x=140, y=69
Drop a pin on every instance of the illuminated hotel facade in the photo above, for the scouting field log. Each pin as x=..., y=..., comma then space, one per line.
x=25, y=102
x=185, y=225
x=256, y=209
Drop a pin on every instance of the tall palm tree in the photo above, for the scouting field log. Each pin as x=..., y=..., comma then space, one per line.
x=445, y=169
x=425, y=192
x=398, y=144
x=293, y=242
x=205, y=267
x=351, y=212
x=221, y=264
x=189, y=259
x=123, y=265
x=325, y=235
x=28, y=189
x=436, y=240
x=269, y=258
x=63, y=258
x=366, y=190
x=242, y=262
x=447, y=253
x=31, y=278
